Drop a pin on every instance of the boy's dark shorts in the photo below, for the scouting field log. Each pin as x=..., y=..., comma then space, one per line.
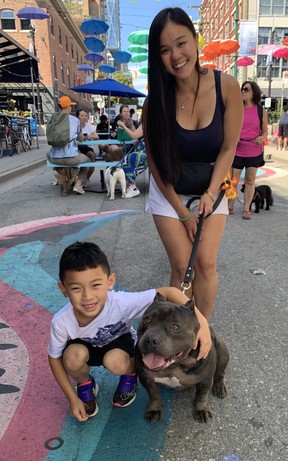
x=248, y=162
x=96, y=354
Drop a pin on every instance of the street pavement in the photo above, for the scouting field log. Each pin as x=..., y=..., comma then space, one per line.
x=250, y=314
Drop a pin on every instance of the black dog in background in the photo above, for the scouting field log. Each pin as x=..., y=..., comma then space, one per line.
x=261, y=194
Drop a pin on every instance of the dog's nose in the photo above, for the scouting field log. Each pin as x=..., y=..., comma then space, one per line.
x=151, y=342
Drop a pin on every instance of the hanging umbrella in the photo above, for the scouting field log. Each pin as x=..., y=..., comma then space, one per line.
x=108, y=87
x=94, y=26
x=140, y=37
x=281, y=53
x=228, y=46
x=245, y=61
x=285, y=41
x=94, y=44
x=143, y=70
x=31, y=12
x=122, y=56
x=139, y=57
x=266, y=49
x=85, y=67
x=138, y=49
x=201, y=41
x=209, y=65
x=203, y=57
x=93, y=57
x=211, y=50
x=107, y=68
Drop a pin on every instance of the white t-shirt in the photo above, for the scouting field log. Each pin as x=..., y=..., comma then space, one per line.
x=116, y=318
x=88, y=129
x=71, y=149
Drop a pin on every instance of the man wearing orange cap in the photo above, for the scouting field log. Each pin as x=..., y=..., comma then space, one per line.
x=69, y=154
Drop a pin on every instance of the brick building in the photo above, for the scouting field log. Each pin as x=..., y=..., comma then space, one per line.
x=59, y=48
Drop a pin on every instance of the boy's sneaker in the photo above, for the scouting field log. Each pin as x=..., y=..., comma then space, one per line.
x=87, y=392
x=132, y=192
x=126, y=391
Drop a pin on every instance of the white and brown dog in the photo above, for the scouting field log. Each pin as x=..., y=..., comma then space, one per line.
x=115, y=174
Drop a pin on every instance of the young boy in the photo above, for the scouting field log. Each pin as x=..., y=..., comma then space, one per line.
x=95, y=328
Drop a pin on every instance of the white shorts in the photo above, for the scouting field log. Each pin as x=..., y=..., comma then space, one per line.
x=158, y=205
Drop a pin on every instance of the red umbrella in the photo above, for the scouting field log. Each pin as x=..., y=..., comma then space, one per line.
x=209, y=65
x=228, y=46
x=281, y=53
x=285, y=41
x=244, y=62
x=211, y=50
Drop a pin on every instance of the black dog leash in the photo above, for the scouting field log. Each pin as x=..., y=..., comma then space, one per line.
x=186, y=284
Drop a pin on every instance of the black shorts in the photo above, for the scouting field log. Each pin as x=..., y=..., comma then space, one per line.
x=248, y=162
x=96, y=354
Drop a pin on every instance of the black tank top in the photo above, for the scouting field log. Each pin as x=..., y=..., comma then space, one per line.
x=203, y=145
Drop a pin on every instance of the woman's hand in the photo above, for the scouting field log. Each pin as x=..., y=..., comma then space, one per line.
x=260, y=139
x=191, y=227
x=120, y=123
x=205, y=205
x=203, y=336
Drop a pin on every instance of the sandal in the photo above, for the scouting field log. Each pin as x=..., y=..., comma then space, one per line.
x=246, y=214
x=231, y=210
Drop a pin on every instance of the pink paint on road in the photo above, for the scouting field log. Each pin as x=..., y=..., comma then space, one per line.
x=42, y=410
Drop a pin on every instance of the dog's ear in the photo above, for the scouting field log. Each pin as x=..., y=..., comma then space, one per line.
x=191, y=305
x=159, y=297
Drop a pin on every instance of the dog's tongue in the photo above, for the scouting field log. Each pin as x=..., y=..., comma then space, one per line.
x=153, y=361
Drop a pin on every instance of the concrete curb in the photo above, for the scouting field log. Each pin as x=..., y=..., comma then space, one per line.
x=6, y=175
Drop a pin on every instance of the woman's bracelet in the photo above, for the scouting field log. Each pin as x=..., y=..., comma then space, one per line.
x=186, y=217
x=210, y=195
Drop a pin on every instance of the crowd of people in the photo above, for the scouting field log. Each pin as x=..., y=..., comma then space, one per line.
x=198, y=127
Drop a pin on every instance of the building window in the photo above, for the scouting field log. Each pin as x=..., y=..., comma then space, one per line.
x=62, y=73
x=66, y=44
x=68, y=78
x=60, y=36
x=8, y=20
x=54, y=66
x=52, y=26
x=77, y=57
x=25, y=24
x=263, y=35
x=273, y=7
x=72, y=51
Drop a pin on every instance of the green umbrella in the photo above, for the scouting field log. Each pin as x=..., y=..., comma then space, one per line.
x=137, y=49
x=139, y=57
x=143, y=70
x=140, y=37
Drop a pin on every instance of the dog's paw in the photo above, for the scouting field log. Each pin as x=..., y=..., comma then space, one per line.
x=123, y=195
x=202, y=415
x=219, y=390
x=112, y=198
x=154, y=413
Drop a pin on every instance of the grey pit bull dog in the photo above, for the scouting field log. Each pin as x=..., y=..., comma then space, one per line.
x=164, y=355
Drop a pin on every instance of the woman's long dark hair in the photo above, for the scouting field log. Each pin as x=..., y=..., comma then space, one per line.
x=160, y=114
x=256, y=91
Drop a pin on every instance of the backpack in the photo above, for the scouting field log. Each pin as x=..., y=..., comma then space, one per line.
x=58, y=130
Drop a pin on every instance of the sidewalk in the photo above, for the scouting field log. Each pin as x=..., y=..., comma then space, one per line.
x=23, y=162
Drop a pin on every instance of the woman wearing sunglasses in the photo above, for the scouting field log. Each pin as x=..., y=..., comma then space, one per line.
x=249, y=152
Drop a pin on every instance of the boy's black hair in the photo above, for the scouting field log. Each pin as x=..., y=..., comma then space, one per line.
x=81, y=256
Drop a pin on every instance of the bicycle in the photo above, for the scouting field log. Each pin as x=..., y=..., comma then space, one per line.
x=24, y=138
x=10, y=142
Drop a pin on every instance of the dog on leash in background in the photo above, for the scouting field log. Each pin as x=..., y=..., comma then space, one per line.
x=261, y=194
x=114, y=175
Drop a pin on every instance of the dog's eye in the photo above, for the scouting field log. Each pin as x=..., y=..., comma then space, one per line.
x=175, y=326
x=147, y=320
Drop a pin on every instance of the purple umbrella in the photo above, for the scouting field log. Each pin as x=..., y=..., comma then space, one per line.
x=94, y=26
x=93, y=57
x=122, y=56
x=94, y=44
x=106, y=68
x=31, y=12
x=85, y=67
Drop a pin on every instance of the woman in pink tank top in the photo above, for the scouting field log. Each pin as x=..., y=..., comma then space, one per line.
x=249, y=152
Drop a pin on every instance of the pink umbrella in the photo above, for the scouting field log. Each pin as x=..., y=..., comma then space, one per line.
x=244, y=62
x=281, y=53
x=266, y=49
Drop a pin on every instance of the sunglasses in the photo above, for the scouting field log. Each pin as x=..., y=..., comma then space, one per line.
x=246, y=89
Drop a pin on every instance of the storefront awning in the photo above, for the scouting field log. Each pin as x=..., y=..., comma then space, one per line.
x=16, y=62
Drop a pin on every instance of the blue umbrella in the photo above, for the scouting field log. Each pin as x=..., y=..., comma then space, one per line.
x=93, y=57
x=85, y=67
x=108, y=87
x=122, y=56
x=94, y=26
x=31, y=12
x=94, y=44
x=106, y=68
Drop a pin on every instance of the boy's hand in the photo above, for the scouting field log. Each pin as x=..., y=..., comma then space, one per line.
x=78, y=411
x=204, y=337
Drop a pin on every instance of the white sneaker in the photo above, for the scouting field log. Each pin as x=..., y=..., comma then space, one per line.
x=132, y=192
x=78, y=188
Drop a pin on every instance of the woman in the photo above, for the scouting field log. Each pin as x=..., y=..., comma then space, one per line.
x=124, y=116
x=90, y=134
x=134, y=163
x=249, y=153
x=191, y=113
